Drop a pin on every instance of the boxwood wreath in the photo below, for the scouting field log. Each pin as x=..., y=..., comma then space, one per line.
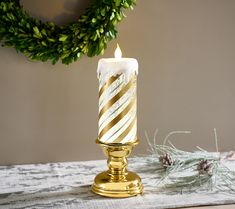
x=41, y=41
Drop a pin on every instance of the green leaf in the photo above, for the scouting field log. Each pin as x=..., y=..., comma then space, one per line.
x=44, y=32
x=98, y=33
x=112, y=16
x=10, y=16
x=63, y=37
x=51, y=39
x=102, y=12
x=79, y=54
x=44, y=43
x=4, y=6
x=28, y=25
x=117, y=2
x=126, y=5
x=119, y=16
x=66, y=54
x=101, y=30
x=37, y=33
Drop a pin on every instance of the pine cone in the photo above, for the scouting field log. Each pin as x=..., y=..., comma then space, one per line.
x=166, y=160
x=204, y=167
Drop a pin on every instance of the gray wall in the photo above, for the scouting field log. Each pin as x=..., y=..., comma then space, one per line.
x=186, y=53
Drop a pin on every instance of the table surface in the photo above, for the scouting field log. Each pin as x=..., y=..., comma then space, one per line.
x=67, y=186
x=214, y=207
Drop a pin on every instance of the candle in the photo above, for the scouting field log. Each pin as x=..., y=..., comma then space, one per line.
x=117, y=99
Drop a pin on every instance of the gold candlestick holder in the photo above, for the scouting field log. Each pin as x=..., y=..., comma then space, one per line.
x=117, y=181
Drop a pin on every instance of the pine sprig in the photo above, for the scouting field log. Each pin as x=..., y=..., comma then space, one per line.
x=188, y=171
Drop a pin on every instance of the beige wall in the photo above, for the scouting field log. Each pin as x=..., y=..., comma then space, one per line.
x=186, y=52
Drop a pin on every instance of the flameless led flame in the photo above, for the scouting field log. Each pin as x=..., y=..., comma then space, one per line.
x=118, y=52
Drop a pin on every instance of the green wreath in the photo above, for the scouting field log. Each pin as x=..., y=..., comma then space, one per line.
x=46, y=41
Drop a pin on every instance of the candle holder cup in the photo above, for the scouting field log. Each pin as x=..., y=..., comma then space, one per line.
x=117, y=181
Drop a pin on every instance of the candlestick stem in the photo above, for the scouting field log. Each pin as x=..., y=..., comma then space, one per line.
x=117, y=181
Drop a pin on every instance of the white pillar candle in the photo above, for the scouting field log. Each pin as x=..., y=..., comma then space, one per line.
x=117, y=99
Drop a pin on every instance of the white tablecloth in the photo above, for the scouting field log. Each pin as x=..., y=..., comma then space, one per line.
x=67, y=186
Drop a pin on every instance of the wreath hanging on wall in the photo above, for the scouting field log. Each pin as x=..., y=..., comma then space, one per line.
x=88, y=35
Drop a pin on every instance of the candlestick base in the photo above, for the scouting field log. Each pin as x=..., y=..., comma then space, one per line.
x=117, y=181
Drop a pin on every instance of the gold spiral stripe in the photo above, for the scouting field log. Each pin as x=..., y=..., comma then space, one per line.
x=108, y=83
x=112, y=113
x=116, y=97
x=124, y=133
x=117, y=118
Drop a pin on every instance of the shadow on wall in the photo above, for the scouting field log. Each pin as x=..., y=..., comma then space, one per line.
x=71, y=10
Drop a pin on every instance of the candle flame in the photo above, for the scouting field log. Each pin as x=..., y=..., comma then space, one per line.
x=118, y=52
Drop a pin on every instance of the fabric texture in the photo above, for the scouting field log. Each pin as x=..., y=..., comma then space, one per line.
x=68, y=186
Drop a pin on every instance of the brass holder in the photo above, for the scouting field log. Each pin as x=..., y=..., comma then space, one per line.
x=117, y=181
